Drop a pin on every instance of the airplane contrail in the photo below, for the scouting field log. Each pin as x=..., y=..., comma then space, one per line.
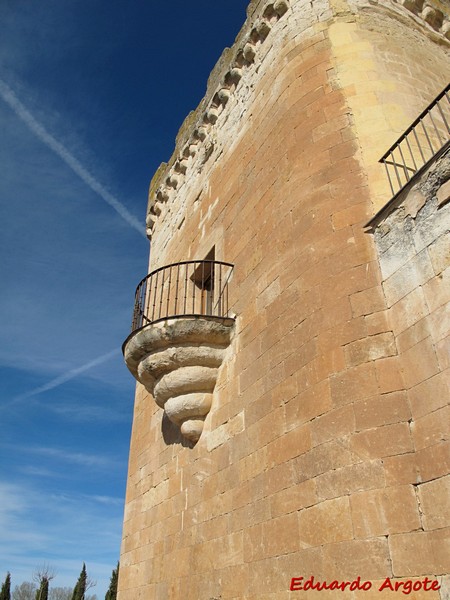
x=61, y=379
x=73, y=163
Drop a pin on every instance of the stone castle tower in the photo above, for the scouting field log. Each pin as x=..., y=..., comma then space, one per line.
x=291, y=344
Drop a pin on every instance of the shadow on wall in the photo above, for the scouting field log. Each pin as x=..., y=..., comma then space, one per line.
x=172, y=435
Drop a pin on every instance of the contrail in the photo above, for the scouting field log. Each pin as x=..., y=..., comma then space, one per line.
x=57, y=381
x=11, y=99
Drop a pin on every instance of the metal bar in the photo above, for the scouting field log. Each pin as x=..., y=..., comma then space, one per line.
x=418, y=119
x=204, y=293
x=219, y=299
x=389, y=177
x=162, y=292
x=411, y=153
x=168, y=293
x=419, y=146
x=405, y=170
x=154, y=296
x=396, y=172
x=176, y=288
x=443, y=117
x=435, y=128
x=185, y=287
x=426, y=135
x=148, y=293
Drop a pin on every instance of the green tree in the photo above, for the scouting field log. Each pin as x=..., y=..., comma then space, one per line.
x=80, y=588
x=84, y=583
x=111, y=594
x=5, y=592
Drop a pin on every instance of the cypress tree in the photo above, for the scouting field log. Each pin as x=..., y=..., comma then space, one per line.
x=5, y=592
x=80, y=589
x=111, y=594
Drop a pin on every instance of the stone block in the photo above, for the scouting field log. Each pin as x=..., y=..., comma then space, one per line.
x=311, y=403
x=337, y=423
x=431, y=428
x=288, y=446
x=353, y=384
x=382, y=441
x=293, y=498
x=437, y=290
x=435, y=503
x=408, y=311
x=419, y=363
x=428, y=396
x=368, y=301
x=349, y=479
x=417, y=271
x=440, y=322
x=371, y=348
x=439, y=252
x=323, y=459
x=414, y=334
x=382, y=410
x=418, y=467
x=420, y=553
x=385, y=511
x=325, y=523
x=368, y=558
x=389, y=374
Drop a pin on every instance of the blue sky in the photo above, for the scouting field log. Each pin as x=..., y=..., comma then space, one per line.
x=92, y=93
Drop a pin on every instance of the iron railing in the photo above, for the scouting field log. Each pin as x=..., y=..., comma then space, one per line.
x=429, y=133
x=191, y=288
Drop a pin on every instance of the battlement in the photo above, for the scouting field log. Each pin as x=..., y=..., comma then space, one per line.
x=196, y=137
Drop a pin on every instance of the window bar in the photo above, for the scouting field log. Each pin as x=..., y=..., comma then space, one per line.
x=426, y=135
x=419, y=146
x=411, y=153
x=154, y=296
x=185, y=287
x=204, y=293
x=146, y=297
x=162, y=292
x=176, y=287
x=405, y=168
x=435, y=128
x=443, y=117
x=168, y=291
x=395, y=169
x=389, y=176
x=193, y=290
x=220, y=299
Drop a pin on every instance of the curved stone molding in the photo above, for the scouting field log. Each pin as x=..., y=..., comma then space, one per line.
x=177, y=360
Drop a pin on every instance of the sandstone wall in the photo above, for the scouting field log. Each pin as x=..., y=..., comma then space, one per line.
x=320, y=426
x=413, y=242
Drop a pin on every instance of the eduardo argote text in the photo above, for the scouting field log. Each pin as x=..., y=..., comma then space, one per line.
x=405, y=587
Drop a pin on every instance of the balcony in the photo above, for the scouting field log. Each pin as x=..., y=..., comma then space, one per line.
x=180, y=332
x=426, y=138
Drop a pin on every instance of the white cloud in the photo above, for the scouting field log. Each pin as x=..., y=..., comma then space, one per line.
x=51, y=142
x=65, y=377
x=63, y=531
